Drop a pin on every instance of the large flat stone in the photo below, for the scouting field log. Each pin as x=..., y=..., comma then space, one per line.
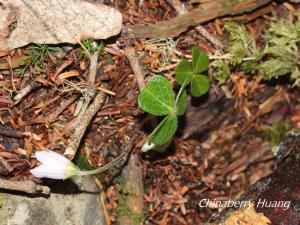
x=55, y=21
x=81, y=207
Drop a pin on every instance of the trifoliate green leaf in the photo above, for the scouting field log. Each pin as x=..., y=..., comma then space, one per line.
x=200, y=85
x=157, y=97
x=165, y=131
x=200, y=60
x=183, y=72
x=181, y=102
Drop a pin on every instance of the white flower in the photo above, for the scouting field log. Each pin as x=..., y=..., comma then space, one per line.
x=54, y=166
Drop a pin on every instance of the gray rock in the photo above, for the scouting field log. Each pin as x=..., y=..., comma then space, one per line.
x=55, y=21
x=72, y=205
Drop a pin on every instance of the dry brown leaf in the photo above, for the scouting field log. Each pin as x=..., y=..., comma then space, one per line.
x=72, y=73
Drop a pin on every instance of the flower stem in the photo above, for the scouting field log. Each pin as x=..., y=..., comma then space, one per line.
x=107, y=166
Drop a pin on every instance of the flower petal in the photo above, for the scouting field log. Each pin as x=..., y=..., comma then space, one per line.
x=54, y=166
x=51, y=156
x=43, y=171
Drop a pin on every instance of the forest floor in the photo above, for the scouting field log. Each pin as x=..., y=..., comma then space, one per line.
x=223, y=144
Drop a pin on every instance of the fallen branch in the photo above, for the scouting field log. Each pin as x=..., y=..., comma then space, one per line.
x=180, y=9
x=88, y=111
x=24, y=186
x=91, y=81
x=136, y=67
x=208, y=10
x=80, y=128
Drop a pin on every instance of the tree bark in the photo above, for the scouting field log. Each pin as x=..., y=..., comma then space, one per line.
x=208, y=10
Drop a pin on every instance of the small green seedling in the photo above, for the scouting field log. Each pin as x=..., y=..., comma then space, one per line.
x=191, y=72
x=35, y=56
x=158, y=99
x=89, y=46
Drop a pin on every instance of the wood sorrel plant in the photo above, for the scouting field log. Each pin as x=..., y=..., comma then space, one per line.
x=158, y=97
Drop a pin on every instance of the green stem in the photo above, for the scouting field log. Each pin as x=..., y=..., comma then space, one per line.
x=108, y=165
x=180, y=92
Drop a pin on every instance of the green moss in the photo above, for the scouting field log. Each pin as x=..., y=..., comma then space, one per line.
x=82, y=162
x=276, y=132
x=123, y=209
x=279, y=56
x=1, y=201
x=137, y=218
x=228, y=6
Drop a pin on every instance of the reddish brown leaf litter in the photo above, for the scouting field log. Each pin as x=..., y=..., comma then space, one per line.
x=219, y=150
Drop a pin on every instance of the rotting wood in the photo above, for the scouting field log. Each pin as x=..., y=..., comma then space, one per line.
x=24, y=186
x=133, y=178
x=252, y=15
x=207, y=11
x=180, y=9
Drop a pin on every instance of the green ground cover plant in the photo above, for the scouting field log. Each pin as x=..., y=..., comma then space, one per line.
x=158, y=97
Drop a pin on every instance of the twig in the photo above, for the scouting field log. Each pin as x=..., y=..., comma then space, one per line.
x=62, y=106
x=87, y=111
x=24, y=186
x=6, y=165
x=91, y=81
x=266, y=107
x=81, y=126
x=84, y=48
x=11, y=73
x=136, y=67
x=12, y=133
x=203, y=31
x=26, y=90
x=93, y=66
x=177, y=5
